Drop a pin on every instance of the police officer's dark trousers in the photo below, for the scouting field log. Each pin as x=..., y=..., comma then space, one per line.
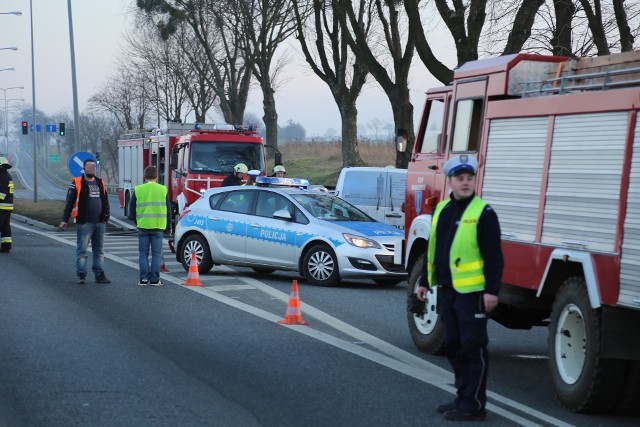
x=465, y=322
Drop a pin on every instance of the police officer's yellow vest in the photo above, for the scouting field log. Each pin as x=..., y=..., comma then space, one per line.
x=151, y=206
x=466, y=263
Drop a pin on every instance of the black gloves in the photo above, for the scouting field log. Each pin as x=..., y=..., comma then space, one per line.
x=415, y=306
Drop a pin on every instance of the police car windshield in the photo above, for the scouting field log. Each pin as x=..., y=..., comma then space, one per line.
x=330, y=208
x=221, y=157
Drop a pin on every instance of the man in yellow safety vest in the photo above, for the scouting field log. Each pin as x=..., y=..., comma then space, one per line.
x=150, y=208
x=464, y=258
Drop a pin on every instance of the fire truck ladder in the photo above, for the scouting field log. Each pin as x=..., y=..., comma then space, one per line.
x=603, y=80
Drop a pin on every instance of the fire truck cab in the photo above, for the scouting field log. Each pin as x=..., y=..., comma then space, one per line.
x=190, y=158
x=558, y=144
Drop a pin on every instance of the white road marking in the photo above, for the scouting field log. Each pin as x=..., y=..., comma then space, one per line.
x=391, y=357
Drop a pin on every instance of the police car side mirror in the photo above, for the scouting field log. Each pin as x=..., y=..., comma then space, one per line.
x=282, y=214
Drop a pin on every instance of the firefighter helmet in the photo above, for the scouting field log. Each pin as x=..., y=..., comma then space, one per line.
x=279, y=168
x=4, y=163
x=241, y=168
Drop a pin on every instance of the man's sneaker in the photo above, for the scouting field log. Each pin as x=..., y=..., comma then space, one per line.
x=143, y=283
x=102, y=278
x=458, y=415
x=82, y=279
x=441, y=409
x=158, y=283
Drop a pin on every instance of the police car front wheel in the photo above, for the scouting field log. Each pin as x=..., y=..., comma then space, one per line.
x=320, y=266
x=198, y=244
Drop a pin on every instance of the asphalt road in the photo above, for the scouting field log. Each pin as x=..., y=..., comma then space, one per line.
x=120, y=354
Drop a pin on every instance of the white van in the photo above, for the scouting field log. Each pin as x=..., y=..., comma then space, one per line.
x=379, y=192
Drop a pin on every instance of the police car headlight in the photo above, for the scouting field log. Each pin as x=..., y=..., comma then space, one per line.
x=361, y=242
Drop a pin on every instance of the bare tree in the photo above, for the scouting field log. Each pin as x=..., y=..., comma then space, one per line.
x=333, y=61
x=626, y=36
x=265, y=24
x=387, y=55
x=210, y=22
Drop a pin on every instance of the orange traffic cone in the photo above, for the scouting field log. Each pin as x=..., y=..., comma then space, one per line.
x=193, y=278
x=163, y=268
x=293, y=315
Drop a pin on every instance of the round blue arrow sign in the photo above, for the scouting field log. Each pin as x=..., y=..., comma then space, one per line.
x=76, y=162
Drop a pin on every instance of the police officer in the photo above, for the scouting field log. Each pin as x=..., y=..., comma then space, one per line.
x=6, y=205
x=151, y=211
x=252, y=174
x=235, y=178
x=464, y=258
x=279, y=171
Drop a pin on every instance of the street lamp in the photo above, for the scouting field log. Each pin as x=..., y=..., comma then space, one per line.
x=7, y=69
x=17, y=13
x=9, y=48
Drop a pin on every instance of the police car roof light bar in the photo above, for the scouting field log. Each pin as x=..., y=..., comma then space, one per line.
x=272, y=181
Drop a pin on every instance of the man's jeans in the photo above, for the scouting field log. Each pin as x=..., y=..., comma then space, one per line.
x=95, y=233
x=151, y=238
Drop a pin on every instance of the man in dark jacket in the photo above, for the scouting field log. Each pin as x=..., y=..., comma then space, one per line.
x=235, y=178
x=464, y=258
x=88, y=203
x=6, y=205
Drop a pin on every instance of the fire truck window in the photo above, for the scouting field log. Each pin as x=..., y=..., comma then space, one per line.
x=466, y=131
x=433, y=128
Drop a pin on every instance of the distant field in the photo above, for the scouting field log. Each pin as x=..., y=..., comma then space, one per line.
x=321, y=162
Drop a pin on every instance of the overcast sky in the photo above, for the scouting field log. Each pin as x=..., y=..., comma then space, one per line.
x=98, y=29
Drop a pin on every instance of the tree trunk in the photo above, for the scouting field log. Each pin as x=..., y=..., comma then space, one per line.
x=561, y=40
x=270, y=117
x=403, y=119
x=594, y=17
x=350, y=153
x=626, y=37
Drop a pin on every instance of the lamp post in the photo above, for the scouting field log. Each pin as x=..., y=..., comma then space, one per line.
x=6, y=115
x=33, y=96
x=76, y=118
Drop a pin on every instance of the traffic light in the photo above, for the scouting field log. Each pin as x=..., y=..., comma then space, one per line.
x=25, y=128
x=61, y=129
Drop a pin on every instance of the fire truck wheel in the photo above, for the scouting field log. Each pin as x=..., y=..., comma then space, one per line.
x=582, y=380
x=427, y=333
x=320, y=266
x=198, y=244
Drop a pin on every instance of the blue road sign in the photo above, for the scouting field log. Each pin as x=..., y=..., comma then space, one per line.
x=38, y=128
x=76, y=161
x=50, y=128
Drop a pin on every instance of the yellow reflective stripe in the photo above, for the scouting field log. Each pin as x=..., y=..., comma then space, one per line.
x=6, y=240
x=3, y=195
x=150, y=204
x=469, y=266
x=151, y=216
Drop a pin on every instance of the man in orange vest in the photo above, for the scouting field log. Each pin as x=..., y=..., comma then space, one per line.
x=88, y=204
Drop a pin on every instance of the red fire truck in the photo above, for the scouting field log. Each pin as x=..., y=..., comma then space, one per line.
x=199, y=156
x=558, y=143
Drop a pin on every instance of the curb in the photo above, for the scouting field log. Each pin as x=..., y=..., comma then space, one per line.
x=46, y=227
x=33, y=222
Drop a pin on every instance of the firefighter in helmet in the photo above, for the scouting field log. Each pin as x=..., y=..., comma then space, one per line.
x=279, y=171
x=6, y=205
x=235, y=178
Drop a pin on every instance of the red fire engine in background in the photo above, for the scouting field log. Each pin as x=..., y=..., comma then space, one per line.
x=190, y=158
x=558, y=142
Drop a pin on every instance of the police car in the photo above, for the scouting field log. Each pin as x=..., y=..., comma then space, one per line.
x=279, y=224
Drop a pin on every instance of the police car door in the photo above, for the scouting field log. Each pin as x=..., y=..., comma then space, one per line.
x=272, y=241
x=230, y=232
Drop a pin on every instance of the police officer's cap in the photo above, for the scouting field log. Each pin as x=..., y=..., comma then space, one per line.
x=4, y=162
x=253, y=173
x=462, y=163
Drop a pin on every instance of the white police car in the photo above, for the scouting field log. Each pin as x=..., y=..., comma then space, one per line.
x=279, y=225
